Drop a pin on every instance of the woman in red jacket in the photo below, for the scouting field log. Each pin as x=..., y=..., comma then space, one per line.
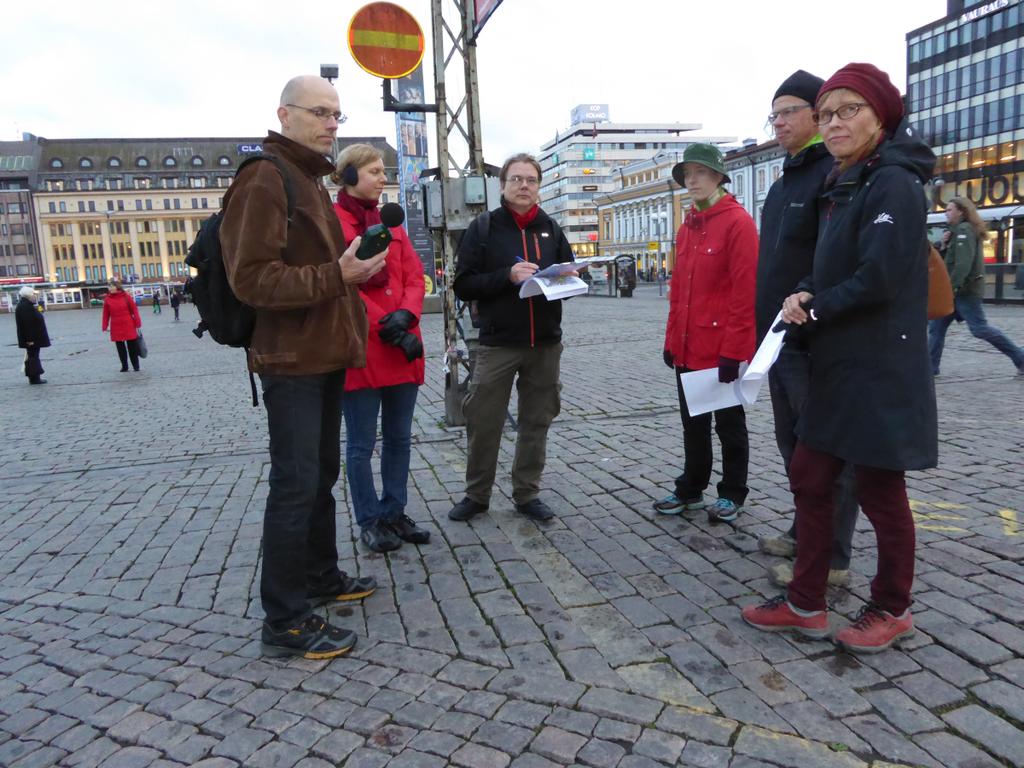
x=711, y=325
x=122, y=317
x=394, y=362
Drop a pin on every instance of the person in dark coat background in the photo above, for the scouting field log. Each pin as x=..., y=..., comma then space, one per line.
x=789, y=231
x=872, y=399
x=32, y=335
x=175, y=303
x=121, y=316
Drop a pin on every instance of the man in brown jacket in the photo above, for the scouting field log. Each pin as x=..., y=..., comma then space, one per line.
x=310, y=326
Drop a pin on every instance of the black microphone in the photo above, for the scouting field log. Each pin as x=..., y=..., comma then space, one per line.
x=377, y=237
x=392, y=215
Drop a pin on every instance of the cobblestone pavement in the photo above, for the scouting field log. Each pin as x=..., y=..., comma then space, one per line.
x=611, y=637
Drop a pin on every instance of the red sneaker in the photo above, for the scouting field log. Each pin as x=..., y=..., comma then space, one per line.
x=874, y=630
x=778, y=616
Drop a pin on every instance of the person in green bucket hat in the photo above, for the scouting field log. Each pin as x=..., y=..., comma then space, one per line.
x=711, y=325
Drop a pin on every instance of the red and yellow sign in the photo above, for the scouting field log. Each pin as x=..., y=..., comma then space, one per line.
x=385, y=40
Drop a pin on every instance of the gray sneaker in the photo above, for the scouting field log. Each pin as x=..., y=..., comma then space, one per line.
x=779, y=546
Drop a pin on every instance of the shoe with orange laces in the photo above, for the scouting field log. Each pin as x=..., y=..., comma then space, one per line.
x=777, y=615
x=874, y=630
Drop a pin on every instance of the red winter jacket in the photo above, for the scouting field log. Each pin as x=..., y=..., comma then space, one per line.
x=711, y=304
x=386, y=365
x=121, y=315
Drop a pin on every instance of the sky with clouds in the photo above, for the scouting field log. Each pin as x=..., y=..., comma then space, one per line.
x=203, y=68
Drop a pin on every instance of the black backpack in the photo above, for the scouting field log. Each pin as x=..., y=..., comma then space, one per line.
x=222, y=315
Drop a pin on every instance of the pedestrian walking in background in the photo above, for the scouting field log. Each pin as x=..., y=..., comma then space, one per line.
x=175, y=304
x=156, y=303
x=789, y=231
x=965, y=261
x=32, y=335
x=389, y=383
x=871, y=401
x=520, y=340
x=711, y=324
x=296, y=273
x=121, y=316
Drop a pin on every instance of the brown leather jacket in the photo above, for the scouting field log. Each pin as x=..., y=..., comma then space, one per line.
x=307, y=320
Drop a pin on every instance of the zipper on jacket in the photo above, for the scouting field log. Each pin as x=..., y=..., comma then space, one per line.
x=529, y=301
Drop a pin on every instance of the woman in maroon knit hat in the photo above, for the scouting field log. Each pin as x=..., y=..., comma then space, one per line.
x=872, y=400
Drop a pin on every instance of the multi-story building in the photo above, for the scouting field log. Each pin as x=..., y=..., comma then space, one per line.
x=588, y=158
x=753, y=169
x=19, y=238
x=639, y=218
x=965, y=93
x=130, y=207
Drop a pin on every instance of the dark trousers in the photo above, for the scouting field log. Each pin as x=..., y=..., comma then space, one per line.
x=882, y=494
x=395, y=405
x=789, y=381
x=970, y=309
x=299, y=548
x=176, y=309
x=536, y=373
x=128, y=349
x=731, y=427
x=33, y=366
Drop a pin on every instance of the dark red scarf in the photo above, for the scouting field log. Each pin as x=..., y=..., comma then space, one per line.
x=524, y=219
x=366, y=215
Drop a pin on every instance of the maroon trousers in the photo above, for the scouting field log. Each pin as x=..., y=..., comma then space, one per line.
x=882, y=495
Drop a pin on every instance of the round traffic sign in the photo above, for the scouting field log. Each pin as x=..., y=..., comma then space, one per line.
x=385, y=40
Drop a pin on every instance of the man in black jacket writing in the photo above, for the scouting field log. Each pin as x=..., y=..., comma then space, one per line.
x=519, y=338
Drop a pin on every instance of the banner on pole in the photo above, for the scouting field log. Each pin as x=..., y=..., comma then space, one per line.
x=411, y=133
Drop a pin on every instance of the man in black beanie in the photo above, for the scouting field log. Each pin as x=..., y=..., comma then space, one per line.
x=789, y=231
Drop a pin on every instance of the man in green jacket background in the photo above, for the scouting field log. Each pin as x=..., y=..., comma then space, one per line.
x=965, y=261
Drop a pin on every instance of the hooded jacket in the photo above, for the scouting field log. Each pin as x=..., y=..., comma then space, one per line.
x=308, y=321
x=789, y=231
x=386, y=364
x=121, y=315
x=711, y=303
x=965, y=261
x=482, y=274
x=872, y=397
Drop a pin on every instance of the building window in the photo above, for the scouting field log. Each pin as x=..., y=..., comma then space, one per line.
x=170, y=162
x=223, y=161
x=85, y=162
x=141, y=162
x=113, y=163
x=63, y=207
x=56, y=163
x=197, y=161
x=53, y=207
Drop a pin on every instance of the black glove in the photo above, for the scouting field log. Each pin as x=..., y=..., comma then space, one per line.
x=669, y=360
x=395, y=324
x=728, y=370
x=410, y=345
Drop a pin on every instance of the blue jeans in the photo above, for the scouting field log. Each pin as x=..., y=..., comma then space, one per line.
x=299, y=548
x=395, y=404
x=970, y=309
x=789, y=381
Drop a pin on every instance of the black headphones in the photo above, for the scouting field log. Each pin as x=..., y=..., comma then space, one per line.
x=350, y=175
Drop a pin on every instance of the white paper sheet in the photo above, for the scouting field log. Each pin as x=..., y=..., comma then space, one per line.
x=704, y=392
x=557, y=287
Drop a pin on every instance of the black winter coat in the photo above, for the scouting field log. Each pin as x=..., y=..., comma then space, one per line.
x=789, y=231
x=31, y=325
x=482, y=274
x=872, y=398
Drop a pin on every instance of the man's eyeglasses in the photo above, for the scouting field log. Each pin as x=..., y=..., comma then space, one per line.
x=530, y=181
x=321, y=113
x=824, y=116
x=786, y=113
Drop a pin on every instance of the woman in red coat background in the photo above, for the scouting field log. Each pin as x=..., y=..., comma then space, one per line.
x=122, y=317
x=711, y=325
x=394, y=362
